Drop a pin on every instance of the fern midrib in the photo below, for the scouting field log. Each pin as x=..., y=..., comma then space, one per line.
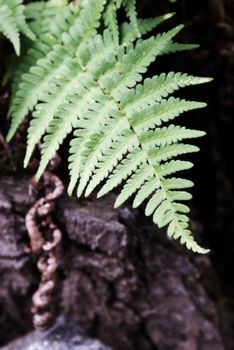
x=134, y=130
x=118, y=105
x=123, y=110
x=158, y=178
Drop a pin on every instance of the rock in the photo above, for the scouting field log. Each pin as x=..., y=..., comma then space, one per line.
x=121, y=280
x=17, y=270
x=65, y=335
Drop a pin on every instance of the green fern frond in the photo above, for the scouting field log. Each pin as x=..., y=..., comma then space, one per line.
x=89, y=83
x=12, y=22
x=54, y=18
x=79, y=27
x=131, y=11
x=8, y=26
x=134, y=28
x=35, y=84
x=43, y=15
x=111, y=20
x=129, y=34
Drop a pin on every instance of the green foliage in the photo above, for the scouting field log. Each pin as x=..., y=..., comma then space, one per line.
x=12, y=22
x=84, y=76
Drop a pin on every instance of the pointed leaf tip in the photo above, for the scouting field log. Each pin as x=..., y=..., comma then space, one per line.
x=169, y=15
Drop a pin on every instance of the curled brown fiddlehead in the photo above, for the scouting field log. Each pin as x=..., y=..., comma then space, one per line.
x=45, y=238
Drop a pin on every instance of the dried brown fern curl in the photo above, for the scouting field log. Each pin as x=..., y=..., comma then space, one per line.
x=45, y=238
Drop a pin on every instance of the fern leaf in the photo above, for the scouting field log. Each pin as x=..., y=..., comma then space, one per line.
x=93, y=153
x=89, y=133
x=127, y=142
x=121, y=172
x=179, y=195
x=145, y=191
x=154, y=202
x=153, y=90
x=8, y=26
x=135, y=182
x=130, y=6
x=128, y=33
x=136, y=60
x=146, y=25
x=44, y=15
x=86, y=81
x=12, y=22
x=86, y=23
x=177, y=183
x=53, y=20
x=37, y=51
x=34, y=85
x=160, y=112
x=172, y=167
x=44, y=112
x=111, y=21
x=18, y=10
x=164, y=153
x=168, y=135
x=59, y=127
x=29, y=93
x=89, y=98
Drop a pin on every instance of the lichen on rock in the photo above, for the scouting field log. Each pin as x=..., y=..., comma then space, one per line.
x=65, y=335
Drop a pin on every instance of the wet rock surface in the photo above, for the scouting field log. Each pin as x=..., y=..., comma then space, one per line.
x=65, y=335
x=122, y=281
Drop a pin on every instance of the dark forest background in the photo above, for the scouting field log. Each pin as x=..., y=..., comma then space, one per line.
x=147, y=293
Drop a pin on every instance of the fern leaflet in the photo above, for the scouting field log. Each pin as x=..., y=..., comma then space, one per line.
x=13, y=21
